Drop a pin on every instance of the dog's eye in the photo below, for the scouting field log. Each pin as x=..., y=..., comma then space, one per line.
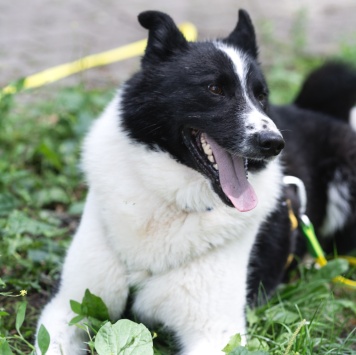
x=216, y=89
x=262, y=98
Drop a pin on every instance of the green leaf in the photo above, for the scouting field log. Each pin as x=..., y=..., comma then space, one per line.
x=20, y=316
x=19, y=223
x=2, y=283
x=279, y=314
x=239, y=351
x=93, y=306
x=50, y=195
x=50, y=154
x=43, y=339
x=124, y=338
x=76, y=307
x=7, y=203
x=332, y=269
x=251, y=316
x=234, y=342
x=76, y=319
x=257, y=344
x=347, y=304
x=5, y=348
x=243, y=351
x=76, y=208
x=95, y=324
x=234, y=347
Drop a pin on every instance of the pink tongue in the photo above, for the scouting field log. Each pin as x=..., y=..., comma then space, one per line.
x=233, y=178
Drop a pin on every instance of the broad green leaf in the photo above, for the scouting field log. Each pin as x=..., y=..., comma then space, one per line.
x=51, y=194
x=5, y=348
x=76, y=307
x=251, y=316
x=279, y=314
x=76, y=208
x=240, y=350
x=43, y=339
x=7, y=203
x=124, y=338
x=93, y=306
x=243, y=351
x=332, y=269
x=20, y=316
x=234, y=342
x=19, y=223
x=257, y=344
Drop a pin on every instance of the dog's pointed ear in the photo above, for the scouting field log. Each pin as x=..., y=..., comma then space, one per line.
x=243, y=36
x=164, y=37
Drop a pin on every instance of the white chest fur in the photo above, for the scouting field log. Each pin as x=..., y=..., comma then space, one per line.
x=155, y=210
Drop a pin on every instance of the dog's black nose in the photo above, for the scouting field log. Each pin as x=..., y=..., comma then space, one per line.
x=270, y=143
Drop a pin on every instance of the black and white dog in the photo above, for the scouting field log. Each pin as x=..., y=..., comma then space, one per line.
x=186, y=199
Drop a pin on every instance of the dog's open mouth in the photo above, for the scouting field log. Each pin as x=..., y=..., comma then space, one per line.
x=228, y=173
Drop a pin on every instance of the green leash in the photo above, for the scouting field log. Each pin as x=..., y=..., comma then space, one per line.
x=307, y=228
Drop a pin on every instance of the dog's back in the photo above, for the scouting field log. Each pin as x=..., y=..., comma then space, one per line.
x=330, y=89
x=321, y=150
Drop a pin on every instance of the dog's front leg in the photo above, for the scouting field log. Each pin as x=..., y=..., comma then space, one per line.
x=90, y=264
x=203, y=302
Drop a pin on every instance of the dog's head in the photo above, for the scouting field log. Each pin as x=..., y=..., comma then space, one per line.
x=205, y=103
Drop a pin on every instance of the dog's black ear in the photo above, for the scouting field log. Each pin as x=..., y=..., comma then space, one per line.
x=243, y=36
x=164, y=37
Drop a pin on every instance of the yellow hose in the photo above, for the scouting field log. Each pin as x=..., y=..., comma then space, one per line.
x=95, y=60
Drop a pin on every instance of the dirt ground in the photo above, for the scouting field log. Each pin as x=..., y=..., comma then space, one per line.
x=38, y=34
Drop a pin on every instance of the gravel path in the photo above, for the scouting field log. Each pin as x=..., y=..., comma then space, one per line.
x=37, y=34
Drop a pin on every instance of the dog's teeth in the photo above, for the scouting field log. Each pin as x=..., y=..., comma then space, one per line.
x=211, y=158
x=216, y=166
x=207, y=149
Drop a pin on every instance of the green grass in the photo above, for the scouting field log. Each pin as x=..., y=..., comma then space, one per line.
x=41, y=198
x=41, y=195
